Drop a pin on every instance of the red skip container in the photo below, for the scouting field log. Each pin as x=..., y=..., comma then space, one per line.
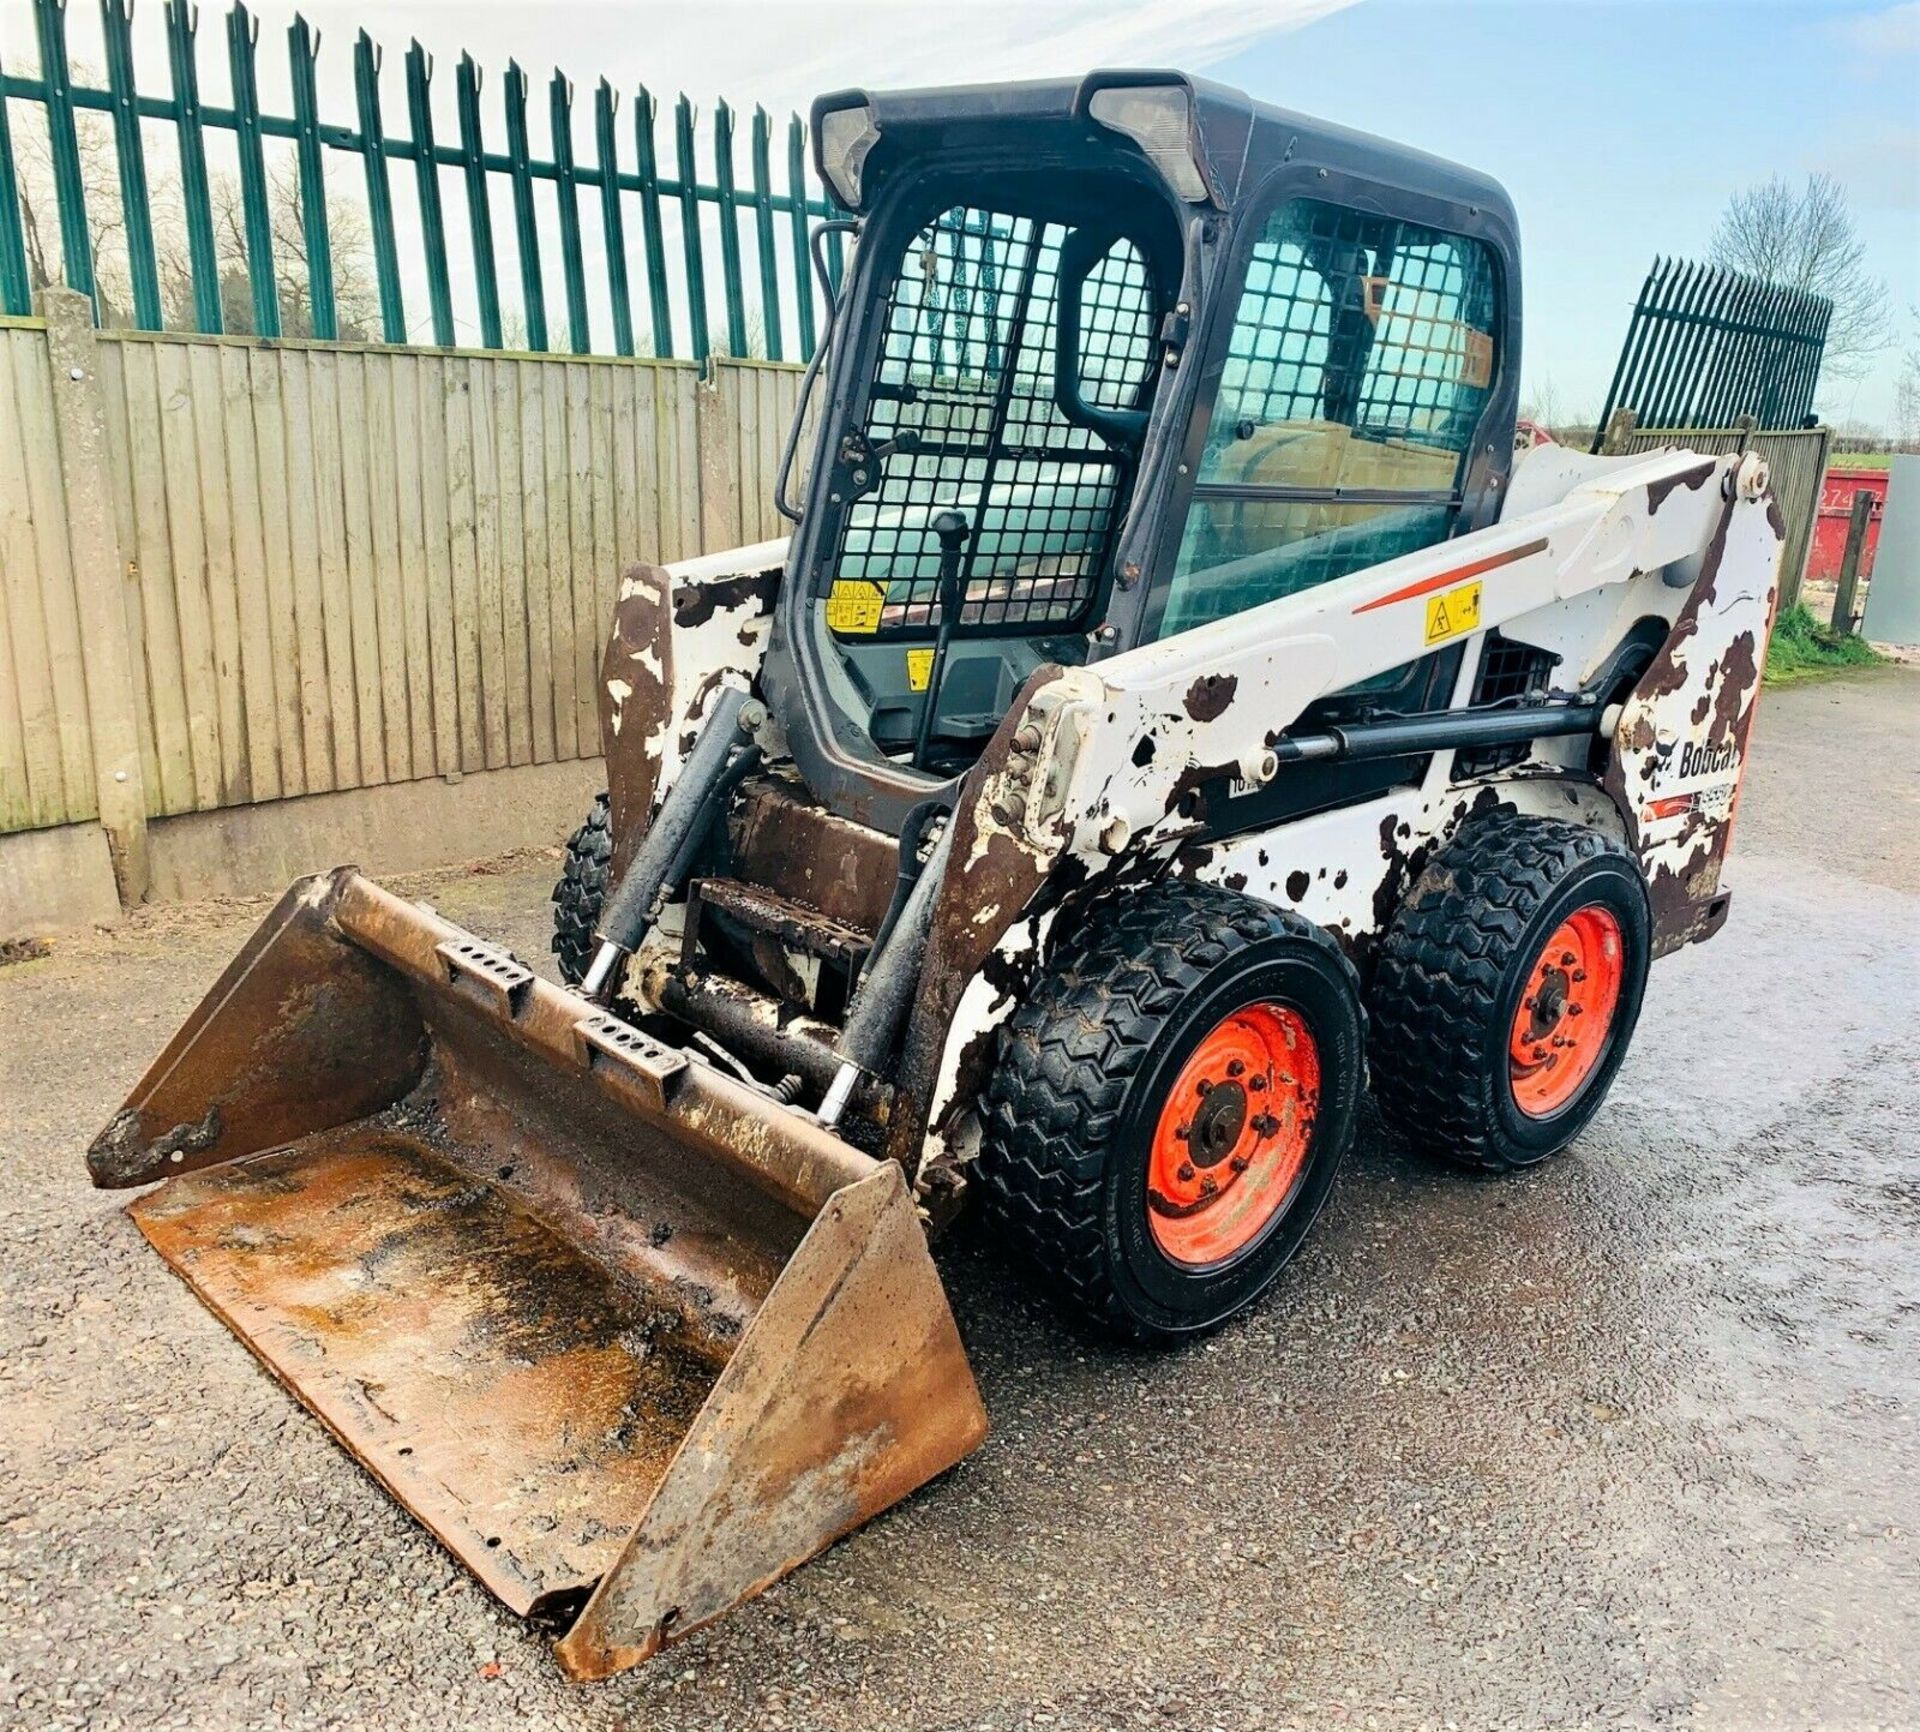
x=1836, y=509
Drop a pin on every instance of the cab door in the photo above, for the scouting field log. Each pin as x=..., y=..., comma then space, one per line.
x=1349, y=413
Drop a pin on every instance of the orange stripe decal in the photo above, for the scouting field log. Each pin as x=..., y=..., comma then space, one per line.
x=1427, y=585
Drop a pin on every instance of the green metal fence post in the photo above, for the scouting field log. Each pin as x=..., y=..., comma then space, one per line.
x=763, y=233
x=690, y=229
x=69, y=186
x=526, y=229
x=729, y=230
x=660, y=306
x=373, y=148
x=797, y=217
x=567, y=191
x=195, y=192
x=16, y=283
x=136, y=205
x=242, y=37
x=303, y=47
x=473, y=170
x=611, y=228
x=426, y=177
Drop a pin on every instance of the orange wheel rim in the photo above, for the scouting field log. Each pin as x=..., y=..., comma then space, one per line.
x=1566, y=1014
x=1231, y=1145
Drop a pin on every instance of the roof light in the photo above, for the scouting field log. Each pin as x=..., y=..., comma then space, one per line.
x=1158, y=118
x=846, y=136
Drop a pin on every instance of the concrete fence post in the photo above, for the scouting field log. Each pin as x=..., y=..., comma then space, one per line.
x=716, y=438
x=1619, y=431
x=100, y=579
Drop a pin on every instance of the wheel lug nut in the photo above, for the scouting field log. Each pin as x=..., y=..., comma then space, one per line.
x=1576, y=1010
x=1235, y=1067
x=1203, y=1087
x=1266, y=1124
x=1539, y=1052
x=1257, y=1083
x=1183, y=1132
x=1579, y=974
x=1239, y=1163
x=1186, y=1172
x=1529, y=1003
x=1567, y=959
x=1209, y=1185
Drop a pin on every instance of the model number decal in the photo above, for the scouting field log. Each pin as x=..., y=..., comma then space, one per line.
x=1452, y=612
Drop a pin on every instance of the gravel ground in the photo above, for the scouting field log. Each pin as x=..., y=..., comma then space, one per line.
x=1628, y=1441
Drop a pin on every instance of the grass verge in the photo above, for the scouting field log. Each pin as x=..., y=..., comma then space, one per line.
x=1803, y=648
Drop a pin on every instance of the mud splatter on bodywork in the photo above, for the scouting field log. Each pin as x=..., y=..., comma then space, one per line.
x=1680, y=746
x=678, y=632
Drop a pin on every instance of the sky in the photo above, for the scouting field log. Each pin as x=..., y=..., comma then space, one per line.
x=1620, y=127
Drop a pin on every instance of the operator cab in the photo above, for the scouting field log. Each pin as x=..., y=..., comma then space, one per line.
x=1112, y=360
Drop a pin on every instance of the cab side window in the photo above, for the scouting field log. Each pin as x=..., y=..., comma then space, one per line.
x=1361, y=359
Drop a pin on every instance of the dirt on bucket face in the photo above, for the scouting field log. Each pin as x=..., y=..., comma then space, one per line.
x=632, y=1339
x=507, y=1389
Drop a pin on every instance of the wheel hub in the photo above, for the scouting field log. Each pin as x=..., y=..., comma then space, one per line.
x=1233, y=1136
x=1565, y=1019
x=1218, y=1124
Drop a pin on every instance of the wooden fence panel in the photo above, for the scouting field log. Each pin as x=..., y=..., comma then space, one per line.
x=354, y=564
x=1797, y=461
x=46, y=746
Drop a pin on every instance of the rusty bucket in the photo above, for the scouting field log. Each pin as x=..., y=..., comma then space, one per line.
x=630, y=1337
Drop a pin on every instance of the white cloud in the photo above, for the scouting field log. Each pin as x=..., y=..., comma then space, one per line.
x=1893, y=31
x=783, y=53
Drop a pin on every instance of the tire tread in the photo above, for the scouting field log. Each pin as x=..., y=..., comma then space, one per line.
x=1054, y=1104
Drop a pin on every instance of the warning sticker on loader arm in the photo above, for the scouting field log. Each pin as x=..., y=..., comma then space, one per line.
x=1452, y=612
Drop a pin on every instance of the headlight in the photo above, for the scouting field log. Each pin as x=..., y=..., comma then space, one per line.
x=1158, y=118
x=846, y=136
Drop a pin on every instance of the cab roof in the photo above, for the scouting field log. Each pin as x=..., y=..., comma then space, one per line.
x=1236, y=141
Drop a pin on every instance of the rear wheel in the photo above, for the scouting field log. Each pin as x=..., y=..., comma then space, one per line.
x=1508, y=989
x=582, y=889
x=1170, y=1104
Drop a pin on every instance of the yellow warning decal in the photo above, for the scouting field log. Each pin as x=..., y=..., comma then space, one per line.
x=853, y=607
x=1453, y=611
x=919, y=669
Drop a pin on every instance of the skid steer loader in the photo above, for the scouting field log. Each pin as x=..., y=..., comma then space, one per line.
x=1175, y=698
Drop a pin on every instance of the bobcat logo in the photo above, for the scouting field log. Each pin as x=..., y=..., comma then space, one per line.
x=1706, y=760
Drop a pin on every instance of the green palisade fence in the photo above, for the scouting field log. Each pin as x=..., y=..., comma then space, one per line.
x=757, y=224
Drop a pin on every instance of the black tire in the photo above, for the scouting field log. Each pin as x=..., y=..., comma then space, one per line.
x=1454, y=971
x=582, y=889
x=1083, y=1070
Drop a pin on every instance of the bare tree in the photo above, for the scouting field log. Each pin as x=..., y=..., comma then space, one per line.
x=100, y=187
x=1805, y=238
x=355, y=297
x=1906, y=390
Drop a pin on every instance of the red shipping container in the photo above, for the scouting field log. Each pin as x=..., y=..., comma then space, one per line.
x=1836, y=510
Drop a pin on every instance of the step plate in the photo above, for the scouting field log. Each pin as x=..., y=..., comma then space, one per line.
x=500, y=1384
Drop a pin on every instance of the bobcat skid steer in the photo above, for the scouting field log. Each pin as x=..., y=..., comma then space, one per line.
x=1174, y=702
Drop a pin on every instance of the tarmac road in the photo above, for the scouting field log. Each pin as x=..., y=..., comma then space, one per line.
x=1628, y=1441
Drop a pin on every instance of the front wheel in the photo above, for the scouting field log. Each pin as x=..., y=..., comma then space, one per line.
x=578, y=897
x=1508, y=988
x=1170, y=1104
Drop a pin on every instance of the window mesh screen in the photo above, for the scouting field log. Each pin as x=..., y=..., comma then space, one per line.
x=965, y=384
x=1511, y=675
x=1378, y=325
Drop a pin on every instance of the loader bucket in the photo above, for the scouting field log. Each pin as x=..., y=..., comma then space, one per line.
x=630, y=1337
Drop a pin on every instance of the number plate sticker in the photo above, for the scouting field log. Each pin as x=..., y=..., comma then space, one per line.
x=1453, y=611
